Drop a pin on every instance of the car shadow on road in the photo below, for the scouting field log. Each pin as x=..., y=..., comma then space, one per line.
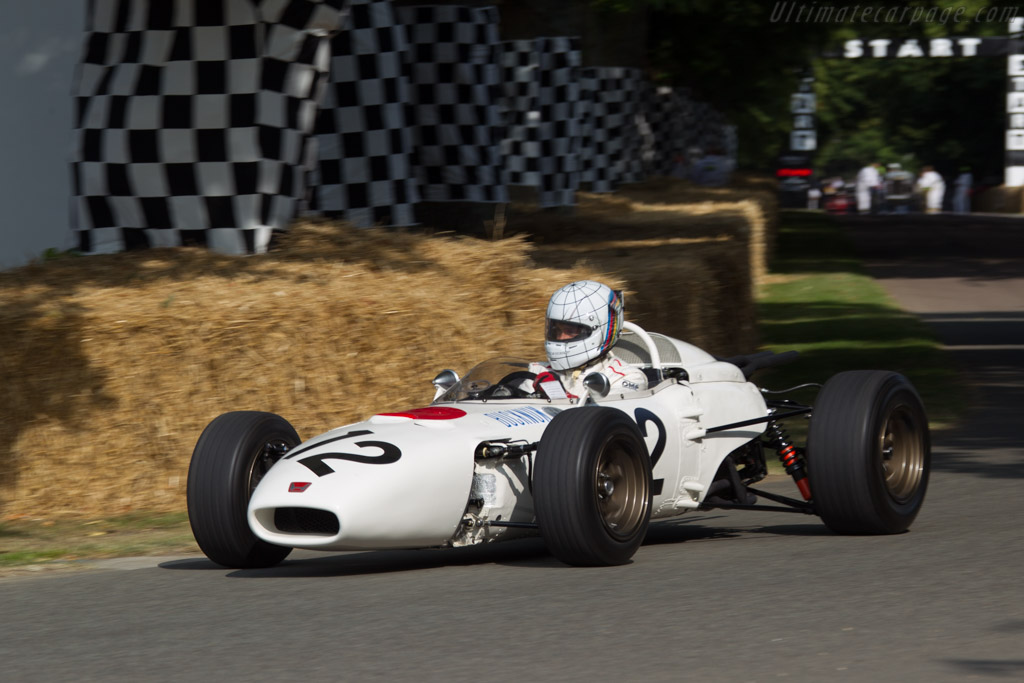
x=970, y=462
x=682, y=530
x=998, y=668
x=524, y=553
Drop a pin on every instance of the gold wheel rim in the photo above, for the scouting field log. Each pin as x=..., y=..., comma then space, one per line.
x=902, y=454
x=621, y=488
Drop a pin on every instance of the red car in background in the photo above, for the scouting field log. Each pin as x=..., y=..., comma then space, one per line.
x=839, y=199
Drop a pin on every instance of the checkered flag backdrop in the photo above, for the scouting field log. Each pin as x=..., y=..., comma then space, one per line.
x=679, y=125
x=543, y=108
x=454, y=70
x=520, y=145
x=668, y=112
x=364, y=138
x=200, y=122
x=194, y=120
x=612, y=138
x=708, y=128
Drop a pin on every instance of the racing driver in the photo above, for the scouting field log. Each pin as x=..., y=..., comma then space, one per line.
x=583, y=322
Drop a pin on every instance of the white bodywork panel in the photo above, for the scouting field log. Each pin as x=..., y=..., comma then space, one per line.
x=412, y=481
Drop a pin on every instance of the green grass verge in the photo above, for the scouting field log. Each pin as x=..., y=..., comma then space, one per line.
x=40, y=542
x=820, y=301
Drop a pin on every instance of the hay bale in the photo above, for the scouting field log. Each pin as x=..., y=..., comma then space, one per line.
x=112, y=365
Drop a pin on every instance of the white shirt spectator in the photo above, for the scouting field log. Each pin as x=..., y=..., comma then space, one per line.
x=934, y=188
x=867, y=179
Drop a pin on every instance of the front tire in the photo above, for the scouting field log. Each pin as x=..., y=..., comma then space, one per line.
x=868, y=453
x=592, y=487
x=232, y=455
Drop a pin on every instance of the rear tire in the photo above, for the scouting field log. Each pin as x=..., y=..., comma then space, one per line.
x=868, y=453
x=592, y=487
x=232, y=455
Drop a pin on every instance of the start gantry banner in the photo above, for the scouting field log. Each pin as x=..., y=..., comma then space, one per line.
x=883, y=48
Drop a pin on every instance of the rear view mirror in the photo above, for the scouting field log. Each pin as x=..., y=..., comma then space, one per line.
x=597, y=383
x=444, y=381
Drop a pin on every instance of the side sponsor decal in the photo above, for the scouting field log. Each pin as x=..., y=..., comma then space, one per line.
x=520, y=417
x=643, y=416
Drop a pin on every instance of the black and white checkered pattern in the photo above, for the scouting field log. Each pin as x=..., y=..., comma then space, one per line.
x=637, y=137
x=454, y=70
x=612, y=137
x=542, y=112
x=364, y=137
x=194, y=120
x=682, y=126
x=668, y=112
x=560, y=112
x=520, y=145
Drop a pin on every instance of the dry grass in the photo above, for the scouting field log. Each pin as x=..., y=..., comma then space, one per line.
x=112, y=365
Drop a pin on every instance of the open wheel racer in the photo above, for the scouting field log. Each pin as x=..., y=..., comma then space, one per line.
x=496, y=456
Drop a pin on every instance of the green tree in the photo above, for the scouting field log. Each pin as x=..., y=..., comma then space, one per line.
x=745, y=57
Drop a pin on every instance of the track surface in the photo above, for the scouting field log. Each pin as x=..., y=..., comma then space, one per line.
x=737, y=596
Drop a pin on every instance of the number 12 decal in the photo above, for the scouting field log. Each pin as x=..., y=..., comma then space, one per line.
x=390, y=453
x=643, y=416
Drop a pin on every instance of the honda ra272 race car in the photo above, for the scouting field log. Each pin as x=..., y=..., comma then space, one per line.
x=490, y=459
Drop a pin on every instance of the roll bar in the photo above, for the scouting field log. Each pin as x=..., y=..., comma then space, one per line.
x=652, y=348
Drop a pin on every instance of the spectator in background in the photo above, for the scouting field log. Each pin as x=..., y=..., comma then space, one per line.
x=868, y=186
x=899, y=189
x=933, y=187
x=962, y=190
x=814, y=197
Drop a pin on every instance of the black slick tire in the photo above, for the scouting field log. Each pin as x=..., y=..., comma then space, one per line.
x=592, y=487
x=868, y=453
x=232, y=454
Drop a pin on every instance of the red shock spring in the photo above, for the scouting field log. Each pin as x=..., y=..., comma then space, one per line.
x=790, y=458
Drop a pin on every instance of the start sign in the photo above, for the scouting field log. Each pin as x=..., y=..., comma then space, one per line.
x=912, y=47
x=802, y=137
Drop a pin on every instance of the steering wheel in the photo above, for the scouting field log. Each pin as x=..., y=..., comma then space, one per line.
x=507, y=387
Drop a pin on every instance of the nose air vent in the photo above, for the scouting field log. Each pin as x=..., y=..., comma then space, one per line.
x=306, y=521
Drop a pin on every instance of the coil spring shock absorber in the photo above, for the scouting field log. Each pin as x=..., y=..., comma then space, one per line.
x=778, y=438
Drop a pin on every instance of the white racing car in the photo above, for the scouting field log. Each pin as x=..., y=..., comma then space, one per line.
x=490, y=460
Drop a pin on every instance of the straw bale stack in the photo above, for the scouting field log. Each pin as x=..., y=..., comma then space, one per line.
x=111, y=366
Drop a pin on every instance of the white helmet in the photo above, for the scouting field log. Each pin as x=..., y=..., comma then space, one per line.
x=583, y=321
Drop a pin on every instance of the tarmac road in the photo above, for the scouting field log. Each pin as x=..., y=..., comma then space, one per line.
x=738, y=596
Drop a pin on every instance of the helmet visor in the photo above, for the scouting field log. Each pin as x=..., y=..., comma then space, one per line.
x=564, y=331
